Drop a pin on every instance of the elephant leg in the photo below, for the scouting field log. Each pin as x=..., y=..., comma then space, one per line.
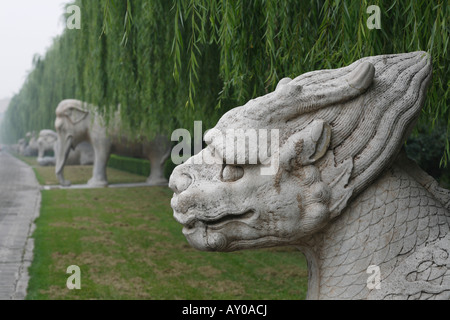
x=156, y=177
x=99, y=177
x=41, y=151
x=158, y=156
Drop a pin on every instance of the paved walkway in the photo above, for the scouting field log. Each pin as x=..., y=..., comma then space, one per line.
x=20, y=200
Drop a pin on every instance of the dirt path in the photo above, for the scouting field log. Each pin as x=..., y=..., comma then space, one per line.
x=20, y=200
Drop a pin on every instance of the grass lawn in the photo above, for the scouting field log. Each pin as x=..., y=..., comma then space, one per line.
x=128, y=246
x=78, y=174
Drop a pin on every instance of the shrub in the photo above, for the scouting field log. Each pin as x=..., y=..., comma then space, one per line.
x=137, y=166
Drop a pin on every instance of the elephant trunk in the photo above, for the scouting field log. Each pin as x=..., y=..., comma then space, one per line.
x=62, y=150
x=41, y=150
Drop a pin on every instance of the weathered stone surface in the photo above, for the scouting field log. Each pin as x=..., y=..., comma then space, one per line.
x=342, y=192
x=76, y=123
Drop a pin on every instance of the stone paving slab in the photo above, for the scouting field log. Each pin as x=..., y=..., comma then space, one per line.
x=20, y=200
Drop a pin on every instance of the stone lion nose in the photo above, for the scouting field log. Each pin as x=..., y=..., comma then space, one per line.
x=179, y=181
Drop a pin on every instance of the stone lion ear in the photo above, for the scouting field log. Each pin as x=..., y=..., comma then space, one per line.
x=76, y=115
x=287, y=89
x=282, y=83
x=307, y=146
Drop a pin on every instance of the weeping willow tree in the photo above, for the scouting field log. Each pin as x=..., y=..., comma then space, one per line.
x=168, y=63
x=124, y=58
x=52, y=78
x=120, y=61
x=262, y=41
x=137, y=70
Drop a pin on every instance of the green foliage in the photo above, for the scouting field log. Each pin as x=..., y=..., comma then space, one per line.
x=129, y=50
x=168, y=63
x=121, y=57
x=132, y=165
x=137, y=166
x=262, y=41
x=52, y=79
x=425, y=148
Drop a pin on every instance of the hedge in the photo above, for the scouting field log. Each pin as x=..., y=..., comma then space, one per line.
x=137, y=166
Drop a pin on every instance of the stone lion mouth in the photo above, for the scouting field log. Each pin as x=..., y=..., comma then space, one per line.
x=220, y=221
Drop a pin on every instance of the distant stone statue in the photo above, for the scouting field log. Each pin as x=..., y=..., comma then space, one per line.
x=46, y=142
x=83, y=154
x=31, y=148
x=370, y=222
x=20, y=146
x=76, y=123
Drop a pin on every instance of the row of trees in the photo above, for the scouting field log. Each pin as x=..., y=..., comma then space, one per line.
x=99, y=65
x=168, y=63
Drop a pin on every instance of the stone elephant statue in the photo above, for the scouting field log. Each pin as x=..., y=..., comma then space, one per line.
x=29, y=147
x=46, y=142
x=83, y=154
x=75, y=124
x=20, y=146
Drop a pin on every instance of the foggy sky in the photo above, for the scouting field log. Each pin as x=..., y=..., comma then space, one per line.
x=27, y=27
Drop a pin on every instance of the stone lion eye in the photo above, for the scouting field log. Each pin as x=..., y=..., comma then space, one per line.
x=232, y=173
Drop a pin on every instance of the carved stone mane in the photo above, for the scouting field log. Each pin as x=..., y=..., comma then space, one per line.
x=341, y=192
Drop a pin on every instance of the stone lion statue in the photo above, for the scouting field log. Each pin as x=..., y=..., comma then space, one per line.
x=370, y=222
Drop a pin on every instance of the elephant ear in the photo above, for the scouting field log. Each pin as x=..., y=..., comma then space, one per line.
x=76, y=115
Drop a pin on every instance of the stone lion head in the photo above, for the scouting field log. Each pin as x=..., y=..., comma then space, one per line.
x=327, y=135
